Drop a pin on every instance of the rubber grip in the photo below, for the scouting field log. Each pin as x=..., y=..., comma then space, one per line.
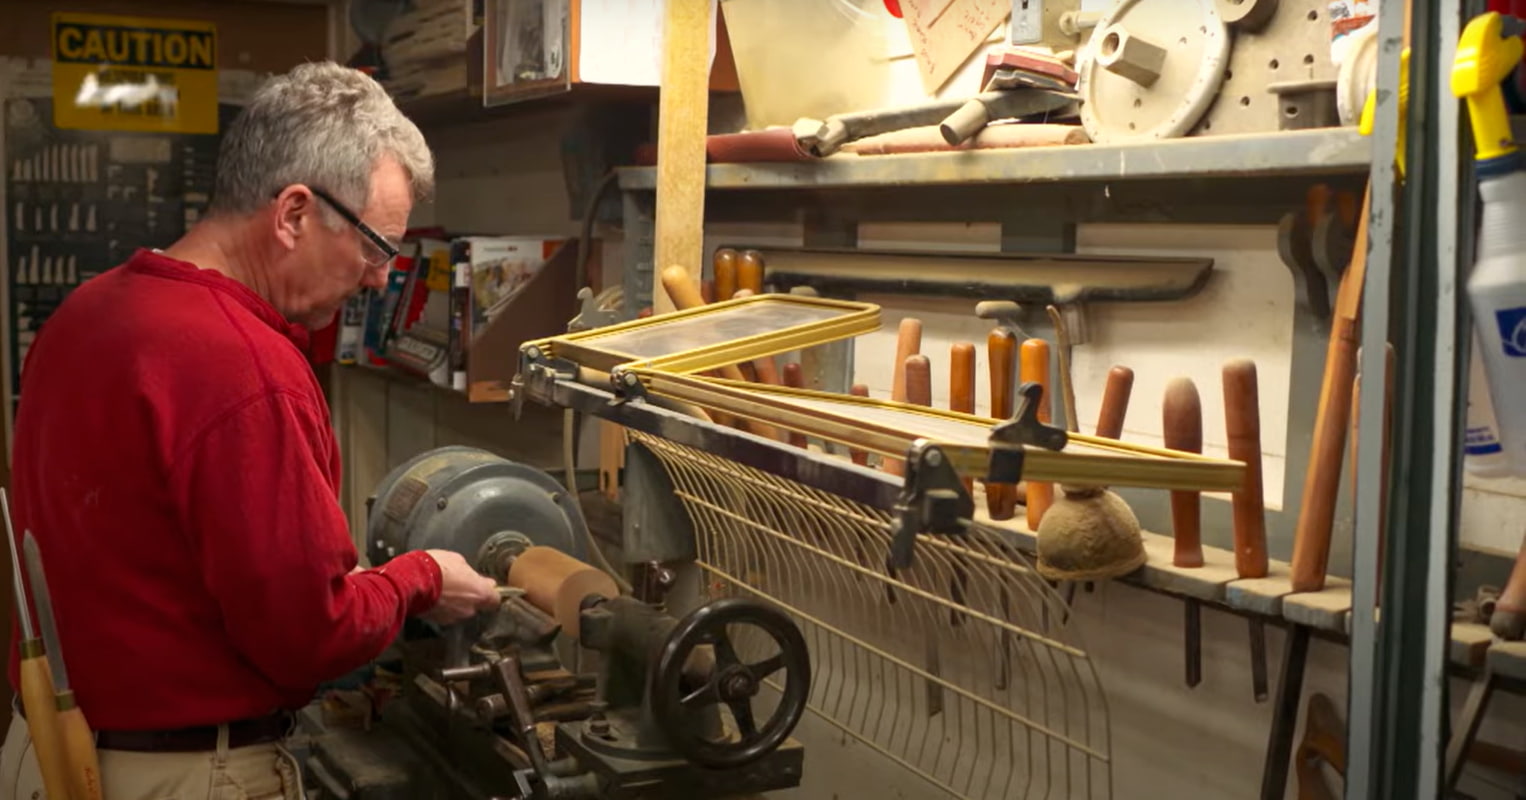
x=1182, y=424
x=1001, y=351
x=1242, y=424
x=1115, y=402
x=1033, y=358
x=724, y=268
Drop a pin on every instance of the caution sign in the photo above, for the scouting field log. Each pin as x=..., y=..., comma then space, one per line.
x=134, y=74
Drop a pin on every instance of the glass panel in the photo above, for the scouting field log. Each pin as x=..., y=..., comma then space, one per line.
x=711, y=328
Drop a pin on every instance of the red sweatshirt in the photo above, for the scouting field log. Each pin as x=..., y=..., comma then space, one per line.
x=175, y=461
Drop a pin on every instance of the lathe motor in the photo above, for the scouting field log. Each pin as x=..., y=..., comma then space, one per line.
x=700, y=705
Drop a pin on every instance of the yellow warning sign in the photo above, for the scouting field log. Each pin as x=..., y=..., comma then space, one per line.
x=134, y=73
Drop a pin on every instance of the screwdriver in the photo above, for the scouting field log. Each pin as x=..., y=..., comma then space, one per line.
x=36, y=682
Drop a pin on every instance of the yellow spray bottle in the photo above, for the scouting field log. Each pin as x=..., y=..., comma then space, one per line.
x=1488, y=51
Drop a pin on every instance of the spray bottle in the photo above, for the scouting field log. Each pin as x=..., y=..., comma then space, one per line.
x=1486, y=54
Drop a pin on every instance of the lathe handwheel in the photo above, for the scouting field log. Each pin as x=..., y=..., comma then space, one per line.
x=732, y=683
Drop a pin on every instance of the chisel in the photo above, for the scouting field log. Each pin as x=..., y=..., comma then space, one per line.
x=84, y=766
x=37, y=698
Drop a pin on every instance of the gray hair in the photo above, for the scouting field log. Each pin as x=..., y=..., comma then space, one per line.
x=323, y=125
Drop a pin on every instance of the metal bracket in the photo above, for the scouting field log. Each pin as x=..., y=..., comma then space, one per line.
x=590, y=315
x=1316, y=254
x=535, y=379
x=933, y=499
x=1023, y=429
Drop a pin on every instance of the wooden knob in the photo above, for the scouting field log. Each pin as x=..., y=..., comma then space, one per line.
x=750, y=271
x=724, y=266
x=681, y=288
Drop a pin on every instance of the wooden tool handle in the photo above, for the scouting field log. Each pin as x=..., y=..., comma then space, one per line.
x=919, y=380
x=1034, y=360
x=724, y=266
x=1001, y=350
x=1115, y=402
x=961, y=385
x=707, y=291
x=750, y=271
x=907, y=344
x=37, y=700
x=1242, y=425
x=794, y=377
x=767, y=371
x=859, y=457
x=1182, y=420
x=79, y=750
x=1316, y=514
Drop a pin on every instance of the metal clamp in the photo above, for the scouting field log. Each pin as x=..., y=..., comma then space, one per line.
x=1009, y=438
x=933, y=500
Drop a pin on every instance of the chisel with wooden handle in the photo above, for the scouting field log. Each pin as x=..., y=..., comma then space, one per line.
x=1001, y=350
x=685, y=295
x=1033, y=360
x=1242, y=426
x=1316, y=513
x=38, y=699
x=1182, y=423
x=908, y=343
x=724, y=268
x=83, y=763
x=961, y=385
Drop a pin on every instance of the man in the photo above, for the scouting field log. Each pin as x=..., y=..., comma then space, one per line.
x=175, y=461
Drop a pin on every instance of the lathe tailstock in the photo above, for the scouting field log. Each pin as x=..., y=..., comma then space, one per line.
x=571, y=689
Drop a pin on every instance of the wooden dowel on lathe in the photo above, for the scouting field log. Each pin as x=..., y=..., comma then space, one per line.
x=1033, y=358
x=1242, y=425
x=683, y=107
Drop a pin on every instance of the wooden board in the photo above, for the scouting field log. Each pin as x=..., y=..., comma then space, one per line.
x=1326, y=609
x=1508, y=660
x=1207, y=582
x=1469, y=643
x=682, y=113
x=1261, y=595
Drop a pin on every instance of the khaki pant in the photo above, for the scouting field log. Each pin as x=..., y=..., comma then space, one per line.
x=258, y=772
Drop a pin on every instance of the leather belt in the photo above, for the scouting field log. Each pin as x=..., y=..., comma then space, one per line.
x=241, y=733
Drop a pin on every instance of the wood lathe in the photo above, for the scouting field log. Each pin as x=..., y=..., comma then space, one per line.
x=571, y=688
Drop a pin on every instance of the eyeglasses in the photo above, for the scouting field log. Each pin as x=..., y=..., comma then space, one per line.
x=378, y=251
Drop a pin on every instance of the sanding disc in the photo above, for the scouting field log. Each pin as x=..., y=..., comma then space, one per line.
x=1151, y=69
x=556, y=583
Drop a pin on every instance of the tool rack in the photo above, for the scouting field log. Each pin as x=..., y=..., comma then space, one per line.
x=1412, y=286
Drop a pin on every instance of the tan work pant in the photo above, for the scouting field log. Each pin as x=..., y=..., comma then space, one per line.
x=258, y=772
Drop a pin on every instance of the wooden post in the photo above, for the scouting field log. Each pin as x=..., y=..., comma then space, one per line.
x=682, y=114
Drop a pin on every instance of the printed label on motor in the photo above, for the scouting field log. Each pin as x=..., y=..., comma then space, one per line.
x=1512, y=330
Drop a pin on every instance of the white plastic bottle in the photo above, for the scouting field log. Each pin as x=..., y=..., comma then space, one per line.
x=1497, y=293
x=1483, y=456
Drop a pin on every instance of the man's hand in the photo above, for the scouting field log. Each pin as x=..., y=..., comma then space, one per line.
x=463, y=591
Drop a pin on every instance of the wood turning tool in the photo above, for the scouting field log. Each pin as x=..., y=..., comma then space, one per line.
x=1242, y=424
x=37, y=695
x=961, y=385
x=907, y=344
x=1182, y=413
x=1001, y=350
x=1316, y=515
x=1033, y=359
x=82, y=762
